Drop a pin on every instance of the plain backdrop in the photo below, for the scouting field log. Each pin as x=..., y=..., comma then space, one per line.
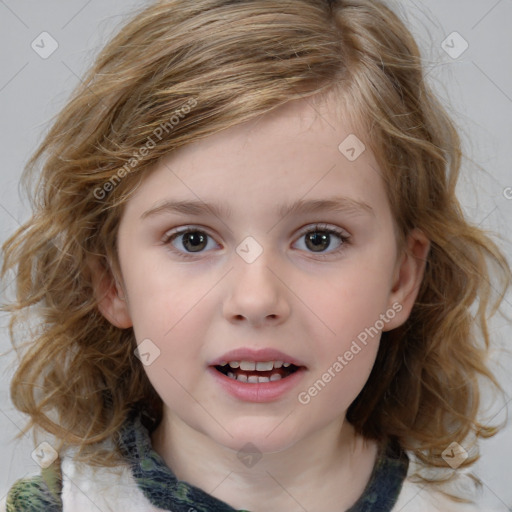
x=467, y=48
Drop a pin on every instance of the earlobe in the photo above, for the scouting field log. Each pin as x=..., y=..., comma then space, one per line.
x=408, y=277
x=110, y=296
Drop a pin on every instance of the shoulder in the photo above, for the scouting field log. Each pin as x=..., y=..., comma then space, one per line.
x=80, y=487
x=419, y=498
x=35, y=493
x=108, y=488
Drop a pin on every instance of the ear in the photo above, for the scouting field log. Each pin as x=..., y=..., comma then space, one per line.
x=109, y=295
x=408, y=276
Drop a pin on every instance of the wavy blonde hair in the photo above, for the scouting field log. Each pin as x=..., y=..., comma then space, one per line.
x=234, y=60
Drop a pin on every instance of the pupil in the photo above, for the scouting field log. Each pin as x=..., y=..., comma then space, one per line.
x=195, y=239
x=319, y=241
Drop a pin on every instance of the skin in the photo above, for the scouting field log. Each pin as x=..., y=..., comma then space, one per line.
x=290, y=298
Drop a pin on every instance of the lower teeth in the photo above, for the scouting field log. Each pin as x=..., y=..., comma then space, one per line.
x=253, y=379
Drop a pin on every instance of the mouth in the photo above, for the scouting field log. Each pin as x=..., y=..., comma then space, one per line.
x=254, y=372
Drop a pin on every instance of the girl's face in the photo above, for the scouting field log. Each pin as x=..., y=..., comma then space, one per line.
x=289, y=247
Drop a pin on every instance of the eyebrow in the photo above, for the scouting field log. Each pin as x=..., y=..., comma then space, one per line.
x=301, y=206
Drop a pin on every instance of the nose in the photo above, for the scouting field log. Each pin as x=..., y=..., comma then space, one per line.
x=257, y=293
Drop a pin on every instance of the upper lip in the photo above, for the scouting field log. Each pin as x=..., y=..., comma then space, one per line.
x=256, y=354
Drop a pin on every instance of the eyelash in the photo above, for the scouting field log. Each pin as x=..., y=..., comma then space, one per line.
x=344, y=239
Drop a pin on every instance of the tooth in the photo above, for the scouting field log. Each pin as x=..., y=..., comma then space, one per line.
x=275, y=376
x=278, y=364
x=242, y=378
x=263, y=379
x=286, y=365
x=264, y=366
x=232, y=375
x=223, y=363
x=253, y=379
x=234, y=364
x=247, y=365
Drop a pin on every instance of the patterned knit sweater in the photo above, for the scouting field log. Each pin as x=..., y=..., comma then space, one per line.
x=145, y=484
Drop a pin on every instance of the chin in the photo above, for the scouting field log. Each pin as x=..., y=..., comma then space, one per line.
x=265, y=435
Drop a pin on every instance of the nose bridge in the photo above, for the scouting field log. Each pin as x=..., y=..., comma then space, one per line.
x=256, y=291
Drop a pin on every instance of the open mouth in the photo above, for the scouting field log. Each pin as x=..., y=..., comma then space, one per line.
x=255, y=372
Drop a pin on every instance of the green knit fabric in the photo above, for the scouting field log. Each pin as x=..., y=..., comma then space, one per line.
x=38, y=493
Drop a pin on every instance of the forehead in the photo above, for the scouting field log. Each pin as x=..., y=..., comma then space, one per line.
x=308, y=121
x=304, y=149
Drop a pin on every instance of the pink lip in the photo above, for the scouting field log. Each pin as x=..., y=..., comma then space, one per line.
x=261, y=391
x=260, y=354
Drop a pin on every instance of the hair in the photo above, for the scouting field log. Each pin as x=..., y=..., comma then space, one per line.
x=180, y=71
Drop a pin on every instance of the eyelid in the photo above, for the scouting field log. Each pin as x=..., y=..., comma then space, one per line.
x=343, y=235
x=171, y=234
x=323, y=226
x=184, y=229
x=331, y=229
x=305, y=229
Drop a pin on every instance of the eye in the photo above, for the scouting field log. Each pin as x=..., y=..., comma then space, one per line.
x=320, y=237
x=188, y=241
x=317, y=239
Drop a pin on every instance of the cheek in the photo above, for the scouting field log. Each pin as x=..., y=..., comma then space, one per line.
x=177, y=340
x=166, y=327
x=161, y=298
x=343, y=361
x=350, y=301
x=351, y=308
x=344, y=358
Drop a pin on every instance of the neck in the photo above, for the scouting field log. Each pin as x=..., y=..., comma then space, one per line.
x=334, y=462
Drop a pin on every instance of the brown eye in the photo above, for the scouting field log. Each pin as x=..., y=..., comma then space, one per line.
x=318, y=240
x=322, y=240
x=194, y=241
x=188, y=242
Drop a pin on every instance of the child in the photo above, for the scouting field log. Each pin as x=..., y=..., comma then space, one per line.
x=256, y=287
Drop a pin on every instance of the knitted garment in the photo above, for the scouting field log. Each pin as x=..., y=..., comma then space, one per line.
x=146, y=484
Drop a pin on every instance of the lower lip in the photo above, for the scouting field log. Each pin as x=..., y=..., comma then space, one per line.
x=258, y=391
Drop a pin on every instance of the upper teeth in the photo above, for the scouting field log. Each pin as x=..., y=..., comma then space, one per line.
x=259, y=366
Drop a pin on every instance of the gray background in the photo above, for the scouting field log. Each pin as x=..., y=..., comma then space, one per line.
x=476, y=86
